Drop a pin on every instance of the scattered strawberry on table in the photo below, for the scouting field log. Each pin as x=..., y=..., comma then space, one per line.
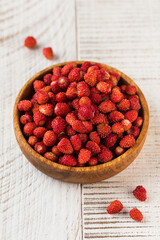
x=81, y=115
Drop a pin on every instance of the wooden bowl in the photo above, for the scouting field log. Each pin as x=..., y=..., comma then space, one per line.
x=79, y=174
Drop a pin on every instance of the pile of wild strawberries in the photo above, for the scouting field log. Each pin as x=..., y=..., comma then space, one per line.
x=81, y=115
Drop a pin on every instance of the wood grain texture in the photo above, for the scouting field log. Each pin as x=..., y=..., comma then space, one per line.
x=125, y=34
x=33, y=206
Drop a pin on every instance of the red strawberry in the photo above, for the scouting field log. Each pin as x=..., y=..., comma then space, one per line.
x=93, y=147
x=127, y=141
x=83, y=137
x=103, y=130
x=78, y=126
x=94, y=137
x=83, y=89
x=30, y=42
x=115, y=74
x=103, y=87
x=51, y=156
x=39, y=118
x=39, y=132
x=75, y=74
x=119, y=151
x=70, y=131
x=56, y=151
x=134, y=131
x=105, y=155
x=116, y=95
x=68, y=160
x=32, y=140
x=50, y=138
x=136, y=215
x=58, y=125
x=48, y=53
x=35, y=108
x=61, y=97
x=131, y=90
x=131, y=115
x=105, y=74
x=55, y=87
x=134, y=102
x=57, y=71
x=138, y=122
x=126, y=124
x=84, y=101
x=76, y=142
x=107, y=106
x=70, y=118
x=67, y=68
x=61, y=109
x=84, y=155
x=85, y=112
x=117, y=128
x=65, y=146
x=28, y=128
x=140, y=193
x=96, y=98
x=115, y=207
x=40, y=147
x=92, y=68
x=37, y=85
x=24, y=105
x=71, y=92
x=42, y=97
x=85, y=66
x=47, y=79
x=52, y=98
x=124, y=105
x=92, y=161
x=123, y=88
x=90, y=78
x=46, y=109
x=110, y=140
x=63, y=82
x=116, y=116
x=49, y=123
x=26, y=118
x=99, y=118
x=88, y=126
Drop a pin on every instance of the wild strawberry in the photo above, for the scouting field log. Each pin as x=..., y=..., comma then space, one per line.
x=117, y=128
x=94, y=137
x=71, y=92
x=47, y=79
x=51, y=156
x=78, y=126
x=58, y=125
x=115, y=74
x=140, y=193
x=123, y=88
x=75, y=103
x=46, y=109
x=116, y=95
x=69, y=131
x=65, y=146
x=85, y=66
x=103, y=130
x=50, y=138
x=124, y=105
x=97, y=65
x=92, y=69
x=24, y=105
x=119, y=151
x=75, y=74
x=134, y=131
x=86, y=112
x=126, y=124
x=90, y=78
x=30, y=42
x=127, y=141
x=99, y=118
x=55, y=87
x=40, y=147
x=134, y=102
x=76, y=142
x=107, y=106
x=103, y=87
x=115, y=207
x=42, y=97
x=131, y=115
x=84, y=101
x=92, y=161
x=131, y=90
x=110, y=140
x=35, y=108
x=93, y=147
x=63, y=82
x=57, y=71
x=56, y=151
x=39, y=118
x=55, y=78
x=70, y=118
x=67, y=68
x=83, y=137
x=52, y=98
x=48, y=53
x=49, y=123
x=61, y=109
x=84, y=155
x=138, y=122
x=116, y=116
x=83, y=89
x=32, y=140
x=39, y=132
x=105, y=74
x=26, y=118
x=37, y=85
x=28, y=128
x=136, y=215
x=88, y=126
x=96, y=98
x=105, y=155
x=68, y=160
x=61, y=97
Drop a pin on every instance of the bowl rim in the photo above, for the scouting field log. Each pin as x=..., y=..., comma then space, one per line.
x=20, y=137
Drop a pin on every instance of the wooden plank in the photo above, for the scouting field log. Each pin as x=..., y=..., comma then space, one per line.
x=126, y=35
x=33, y=206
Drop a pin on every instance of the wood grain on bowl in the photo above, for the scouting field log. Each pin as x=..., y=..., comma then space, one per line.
x=79, y=174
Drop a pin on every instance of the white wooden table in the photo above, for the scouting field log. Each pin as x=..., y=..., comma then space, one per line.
x=124, y=34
